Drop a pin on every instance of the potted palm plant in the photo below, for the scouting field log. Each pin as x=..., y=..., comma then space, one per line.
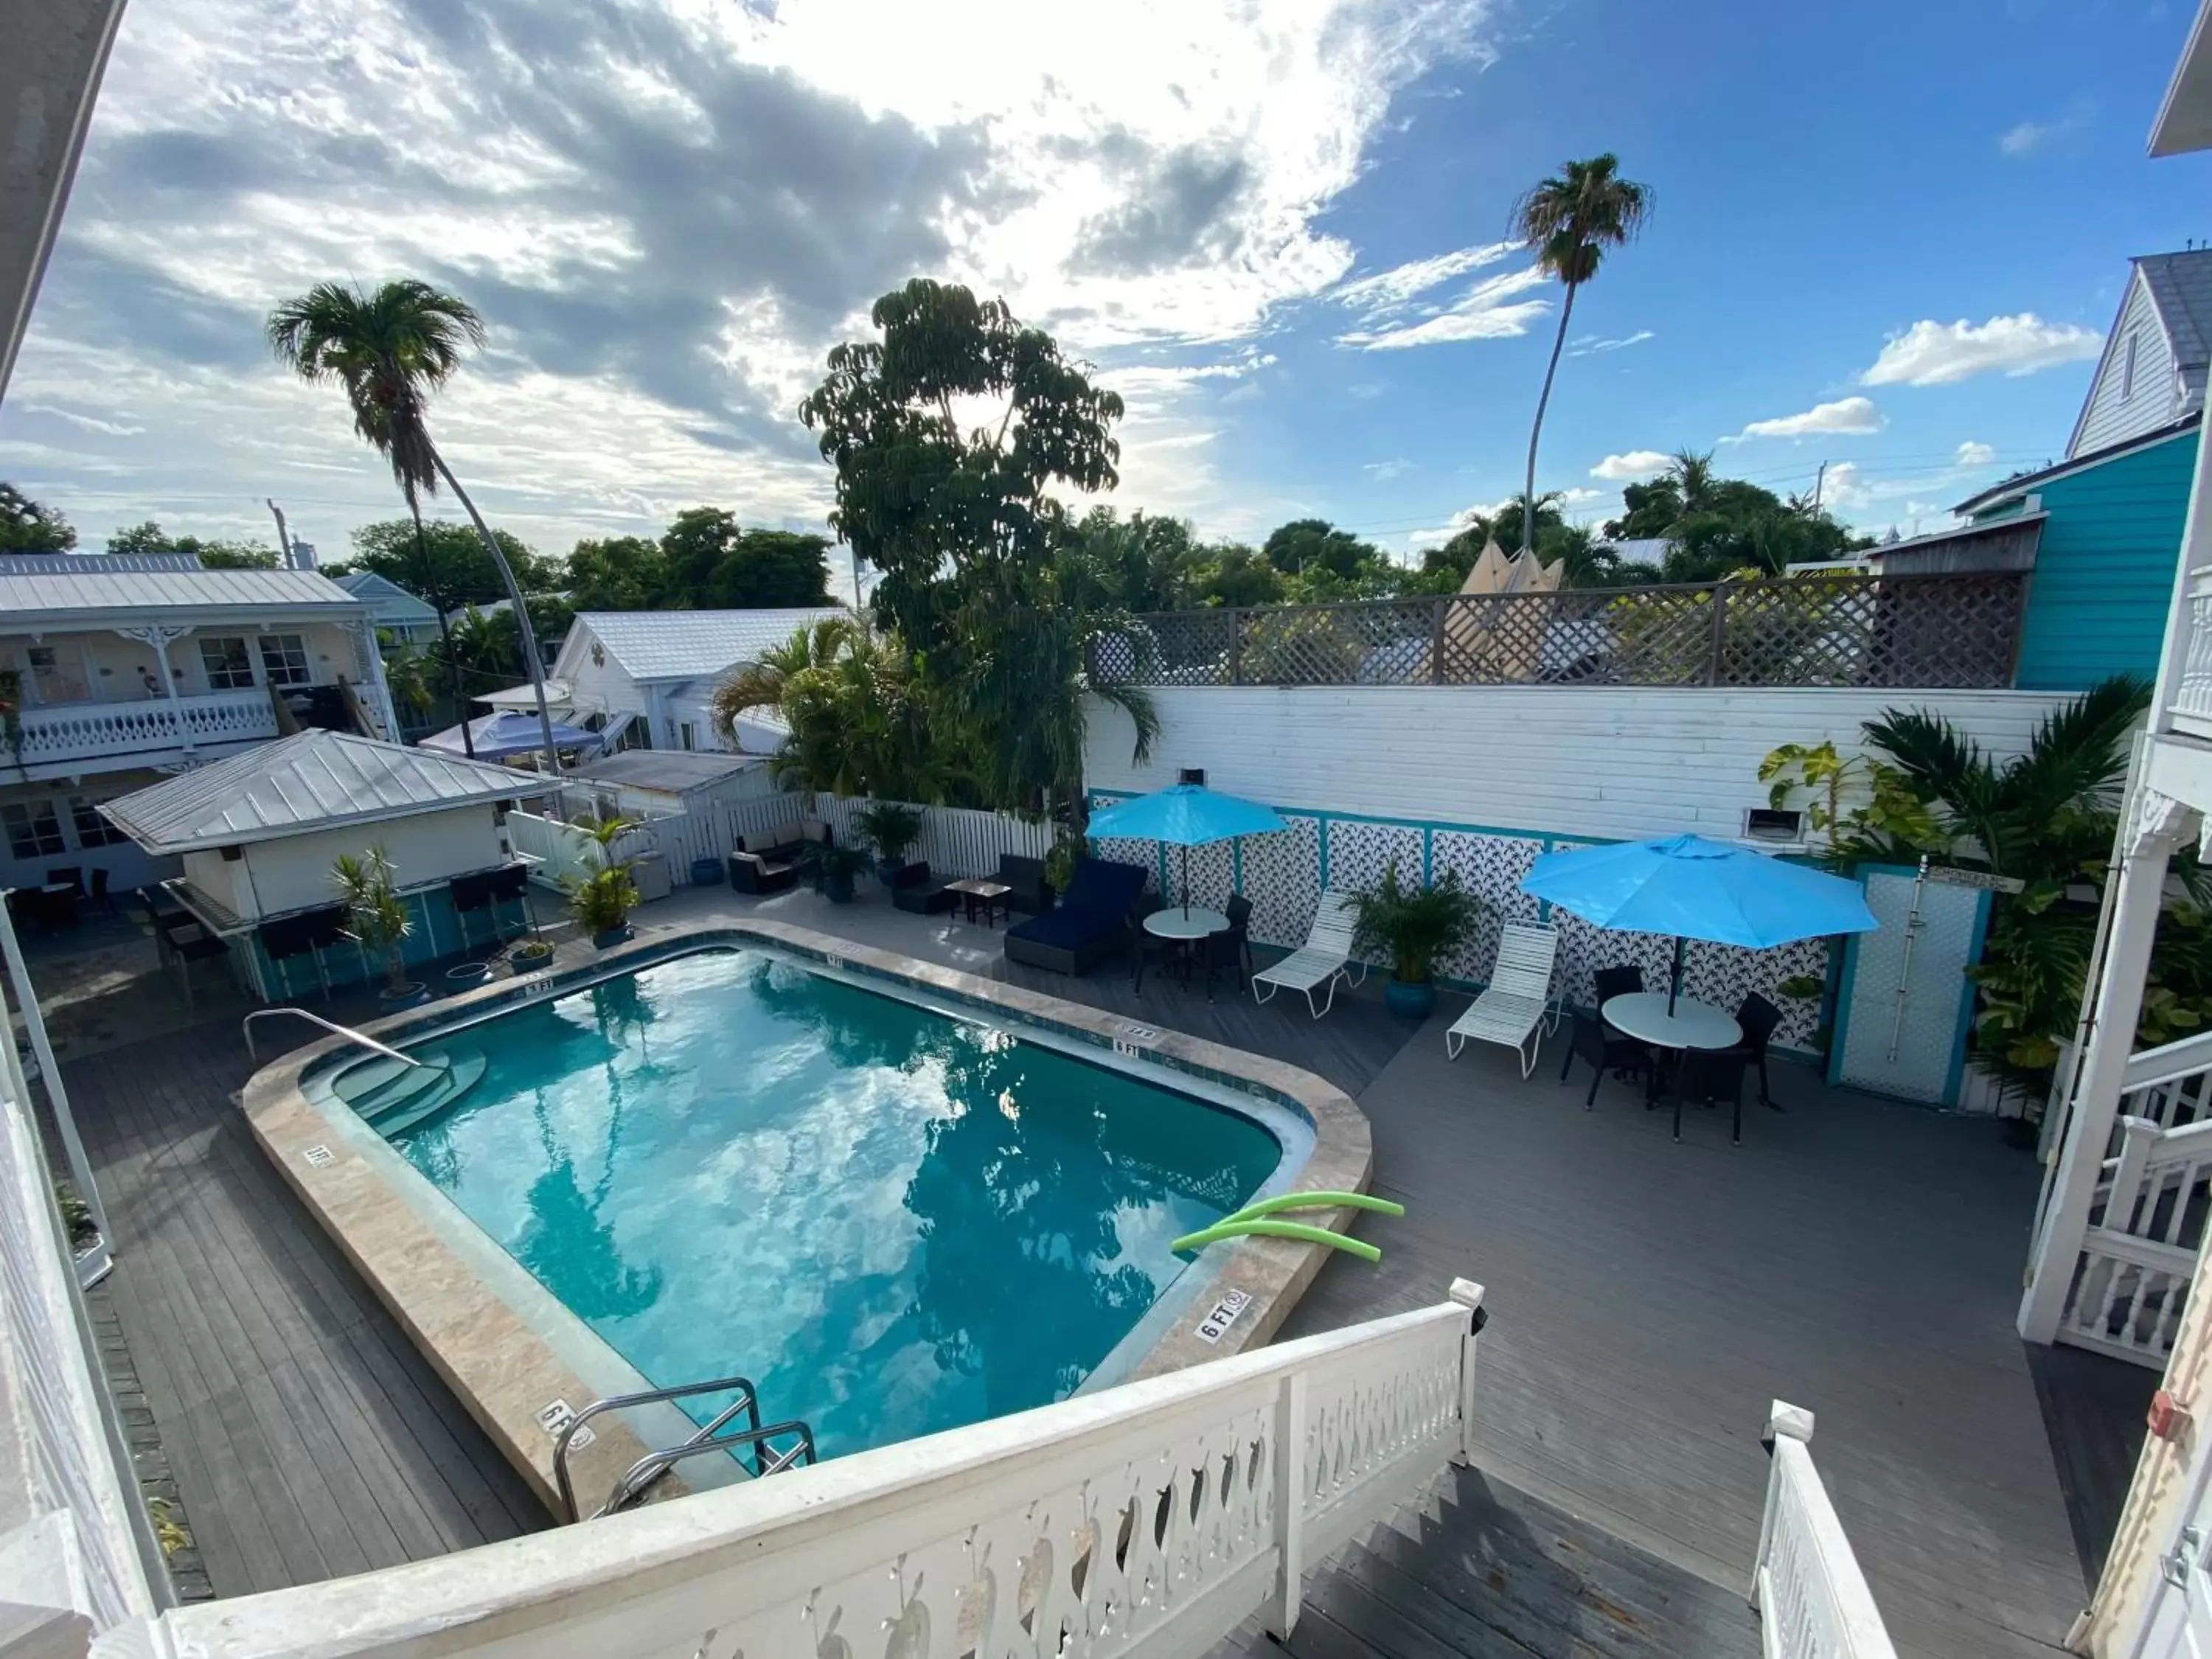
x=601, y=902
x=376, y=919
x=891, y=827
x=832, y=869
x=1413, y=925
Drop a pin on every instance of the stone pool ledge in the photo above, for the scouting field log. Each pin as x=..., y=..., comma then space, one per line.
x=504, y=1372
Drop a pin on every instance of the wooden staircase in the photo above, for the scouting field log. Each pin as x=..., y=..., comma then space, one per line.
x=1477, y=1570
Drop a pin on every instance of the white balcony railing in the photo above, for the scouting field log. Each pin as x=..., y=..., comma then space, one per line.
x=1813, y=1599
x=96, y=731
x=2193, y=696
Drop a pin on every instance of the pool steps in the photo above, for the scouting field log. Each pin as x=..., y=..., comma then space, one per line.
x=392, y=1097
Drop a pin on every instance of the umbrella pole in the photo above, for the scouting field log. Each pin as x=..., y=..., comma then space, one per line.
x=1675, y=984
x=1186, y=881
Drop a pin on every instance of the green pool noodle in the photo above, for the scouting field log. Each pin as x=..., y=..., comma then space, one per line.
x=1233, y=1228
x=1314, y=1201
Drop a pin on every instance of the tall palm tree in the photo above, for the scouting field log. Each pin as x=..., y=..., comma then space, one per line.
x=391, y=348
x=1568, y=222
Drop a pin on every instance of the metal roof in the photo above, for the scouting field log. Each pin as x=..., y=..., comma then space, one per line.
x=683, y=645
x=69, y=592
x=316, y=779
x=671, y=771
x=386, y=597
x=2181, y=288
x=34, y=564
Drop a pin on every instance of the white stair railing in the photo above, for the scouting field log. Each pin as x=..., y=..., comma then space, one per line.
x=1812, y=1600
x=2139, y=1252
x=1152, y=1518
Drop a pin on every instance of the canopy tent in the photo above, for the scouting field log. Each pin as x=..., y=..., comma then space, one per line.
x=1186, y=815
x=1693, y=888
x=508, y=732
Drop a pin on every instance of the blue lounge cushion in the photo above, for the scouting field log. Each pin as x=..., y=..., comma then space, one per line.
x=1063, y=929
x=1103, y=887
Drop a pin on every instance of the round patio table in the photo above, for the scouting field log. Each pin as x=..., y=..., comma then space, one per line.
x=1693, y=1024
x=1177, y=923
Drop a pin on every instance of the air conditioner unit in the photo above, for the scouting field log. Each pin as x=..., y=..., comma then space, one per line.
x=1775, y=828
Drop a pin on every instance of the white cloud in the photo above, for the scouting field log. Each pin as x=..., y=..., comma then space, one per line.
x=1582, y=495
x=86, y=423
x=657, y=307
x=1974, y=454
x=1393, y=287
x=1437, y=535
x=1938, y=354
x=1846, y=417
x=2028, y=137
x=1483, y=312
x=1635, y=464
x=1384, y=471
x=1591, y=343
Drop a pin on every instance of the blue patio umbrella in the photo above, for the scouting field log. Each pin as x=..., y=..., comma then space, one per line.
x=495, y=736
x=1693, y=887
x=1186, y=815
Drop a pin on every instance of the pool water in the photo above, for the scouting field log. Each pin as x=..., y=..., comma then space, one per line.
x=894, y=1222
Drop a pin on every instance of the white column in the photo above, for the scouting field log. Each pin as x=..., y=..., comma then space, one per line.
x=159, y=638
x=2159, y=823
x=2196, y=555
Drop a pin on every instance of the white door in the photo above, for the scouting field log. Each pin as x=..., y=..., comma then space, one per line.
x=2178, y=1623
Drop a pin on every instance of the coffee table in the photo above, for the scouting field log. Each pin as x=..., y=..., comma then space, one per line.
x=979, y=895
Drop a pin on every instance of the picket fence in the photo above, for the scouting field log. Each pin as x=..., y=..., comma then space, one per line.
x=954, y=840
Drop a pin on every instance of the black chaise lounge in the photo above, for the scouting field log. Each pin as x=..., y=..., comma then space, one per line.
x=1089, y=924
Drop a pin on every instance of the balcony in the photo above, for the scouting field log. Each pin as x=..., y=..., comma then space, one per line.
x=88, y=737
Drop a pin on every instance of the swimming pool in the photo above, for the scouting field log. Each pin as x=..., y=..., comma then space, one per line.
x=895, y=1219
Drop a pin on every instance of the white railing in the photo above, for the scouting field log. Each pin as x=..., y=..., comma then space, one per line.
x=1812, y=1600
x=2170, y=1085
x=1149, y=1518
x=955, y=840
x=2139, y=1252
x=90, y=731
x=78, y=1545
x=2193, y=696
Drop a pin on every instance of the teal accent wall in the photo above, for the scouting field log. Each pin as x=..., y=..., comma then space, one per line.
x=2104, y=576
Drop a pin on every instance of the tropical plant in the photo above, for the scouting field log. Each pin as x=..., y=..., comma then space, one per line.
x=77, y=1219
x=602, y=899
x=29, y=526
x=1412, y=925
x=390, y=349
x=1847, y=797
x=831, y=867
x=376, y=917
x=888, y=826
x=1569, y=221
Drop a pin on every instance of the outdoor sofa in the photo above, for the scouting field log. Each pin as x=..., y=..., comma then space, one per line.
x=914, y=889
x=767, y=860
x=1090, y=924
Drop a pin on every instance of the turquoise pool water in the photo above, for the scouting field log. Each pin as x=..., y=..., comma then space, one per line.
x=893, y=1221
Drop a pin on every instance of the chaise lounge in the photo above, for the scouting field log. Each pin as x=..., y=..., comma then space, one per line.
x=1089, y=926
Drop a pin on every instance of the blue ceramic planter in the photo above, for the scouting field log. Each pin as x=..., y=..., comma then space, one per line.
x=1409, y=1001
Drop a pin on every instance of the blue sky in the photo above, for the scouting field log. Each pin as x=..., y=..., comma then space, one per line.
x=1899, y=227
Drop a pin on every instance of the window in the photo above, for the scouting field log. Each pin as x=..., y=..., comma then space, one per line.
x=34, y=831
x=227, y=664
x=91, y=830
x=56, y=679
x=285, y=659
x=2128, y=369
x=688, y=735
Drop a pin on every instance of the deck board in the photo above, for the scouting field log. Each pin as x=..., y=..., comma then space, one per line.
x=308, y=1439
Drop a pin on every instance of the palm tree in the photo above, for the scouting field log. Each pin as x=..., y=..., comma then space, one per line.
x=390, y=349
x=1692, y=476
x=1568, y=222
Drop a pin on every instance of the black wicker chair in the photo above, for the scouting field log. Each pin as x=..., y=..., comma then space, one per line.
x=1759, y=1017
x=1709, y=1076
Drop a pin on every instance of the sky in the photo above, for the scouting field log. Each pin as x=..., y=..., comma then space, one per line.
x=1888, y=237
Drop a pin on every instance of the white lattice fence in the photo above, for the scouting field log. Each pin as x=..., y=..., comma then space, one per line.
x=955, y=840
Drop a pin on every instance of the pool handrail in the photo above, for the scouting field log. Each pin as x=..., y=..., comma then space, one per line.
x=246, y=1027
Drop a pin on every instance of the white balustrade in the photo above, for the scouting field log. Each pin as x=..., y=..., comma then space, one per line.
x=2139, y=1253
x=2193, y=696
x=92, y=731
x=1813, y=1599
x=1149, y=1518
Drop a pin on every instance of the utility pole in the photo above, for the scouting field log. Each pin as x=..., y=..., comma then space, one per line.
x=284, y=535
x=1818, y=479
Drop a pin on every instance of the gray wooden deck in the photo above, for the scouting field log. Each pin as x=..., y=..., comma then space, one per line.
x=307, y=1436
x=1648, y=1300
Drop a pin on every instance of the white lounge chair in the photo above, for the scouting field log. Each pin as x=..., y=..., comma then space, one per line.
x=1324, y=961
x=1515, y=1009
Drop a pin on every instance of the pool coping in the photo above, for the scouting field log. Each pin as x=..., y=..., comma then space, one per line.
x=506, y=1375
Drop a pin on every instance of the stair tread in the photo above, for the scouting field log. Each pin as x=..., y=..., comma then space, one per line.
x=450, y=1086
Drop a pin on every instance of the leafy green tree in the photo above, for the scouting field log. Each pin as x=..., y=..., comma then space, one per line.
x=1143, y=562
x=150, y=538
x=1307, y=546
x=1569, y=221
x=960, y=517
x=28, y=527
x=713, y=563
x=447, y=567
x=1232, y=574
x=390, y=349
x=619, y=572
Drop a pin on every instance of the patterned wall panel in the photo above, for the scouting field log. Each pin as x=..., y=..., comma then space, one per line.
x=1719, y=974
x=1282, y=877
x=1357, y=853
x=1121, y=851
x=1212, y=873
x=1491, y=867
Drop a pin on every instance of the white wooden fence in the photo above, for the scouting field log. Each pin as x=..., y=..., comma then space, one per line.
x=1812, y=1600
x=1150, y=1518
x=77, y=1552
x=956, y=841
x=2131, y=1266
